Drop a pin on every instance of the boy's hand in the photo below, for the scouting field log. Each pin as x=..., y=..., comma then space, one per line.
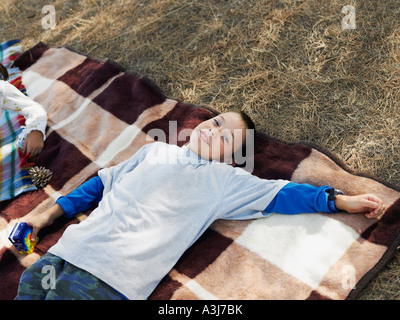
x=36, y=222
x=369, y=204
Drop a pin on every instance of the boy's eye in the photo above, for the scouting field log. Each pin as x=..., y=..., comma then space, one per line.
x=216, y=122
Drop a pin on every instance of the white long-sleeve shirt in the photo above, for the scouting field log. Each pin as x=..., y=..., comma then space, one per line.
x=14, y=100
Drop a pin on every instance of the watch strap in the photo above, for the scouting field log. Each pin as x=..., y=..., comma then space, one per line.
x=332, y=193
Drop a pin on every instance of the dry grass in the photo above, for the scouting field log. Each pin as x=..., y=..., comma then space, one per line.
x=288, y=63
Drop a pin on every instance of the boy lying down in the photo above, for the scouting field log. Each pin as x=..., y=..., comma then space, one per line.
x=154, y=206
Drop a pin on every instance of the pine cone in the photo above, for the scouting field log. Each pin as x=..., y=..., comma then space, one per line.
x=40, y=176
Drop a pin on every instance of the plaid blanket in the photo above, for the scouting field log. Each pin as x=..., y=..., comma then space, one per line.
x=99, y=115
x=15, y=179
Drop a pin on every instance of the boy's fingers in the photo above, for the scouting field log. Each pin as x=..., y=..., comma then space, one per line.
x=368, y=204
x=378, y=209
x=34, y=230
x=373, y=213
x=370, y=215
x=373, y=202
x=34, y=234
x=374, y=198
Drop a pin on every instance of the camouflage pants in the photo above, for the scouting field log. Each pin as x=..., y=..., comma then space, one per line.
x=52, y=278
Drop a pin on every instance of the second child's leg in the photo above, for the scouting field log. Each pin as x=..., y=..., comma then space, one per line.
x=52, y=278
x=74, y=283
x=33, y=284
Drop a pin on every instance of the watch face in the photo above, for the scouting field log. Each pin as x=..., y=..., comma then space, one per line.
x=333, y=193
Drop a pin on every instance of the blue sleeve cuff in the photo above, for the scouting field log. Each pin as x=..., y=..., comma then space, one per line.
x=297, y=198
x=67, y=206
x=82, y=198
x=332, y=205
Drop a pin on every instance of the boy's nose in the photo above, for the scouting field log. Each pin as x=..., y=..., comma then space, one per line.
x=212, y=132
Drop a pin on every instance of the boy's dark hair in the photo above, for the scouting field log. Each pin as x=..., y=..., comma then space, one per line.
x=249, y=124
x=3, y=72
x=247, y=120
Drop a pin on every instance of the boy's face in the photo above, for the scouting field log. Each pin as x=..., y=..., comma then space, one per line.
x=219, y=137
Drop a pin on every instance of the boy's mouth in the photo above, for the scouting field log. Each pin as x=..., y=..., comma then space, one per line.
x=203, y=136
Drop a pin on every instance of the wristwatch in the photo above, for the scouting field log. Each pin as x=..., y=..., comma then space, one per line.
x=332, y=193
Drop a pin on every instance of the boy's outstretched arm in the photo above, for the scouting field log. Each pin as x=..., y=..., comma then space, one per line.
x=297, y=198
x=78, y=200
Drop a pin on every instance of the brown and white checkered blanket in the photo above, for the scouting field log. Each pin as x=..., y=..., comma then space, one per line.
x=99, y=115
